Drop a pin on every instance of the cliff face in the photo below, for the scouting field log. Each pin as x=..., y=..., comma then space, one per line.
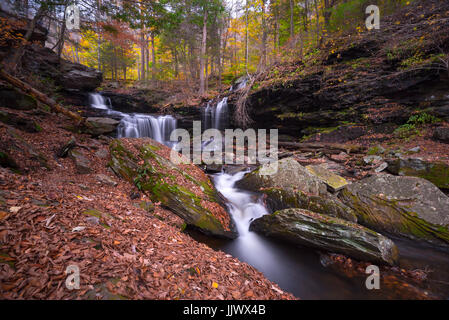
x=369, y=79
x=43, y=67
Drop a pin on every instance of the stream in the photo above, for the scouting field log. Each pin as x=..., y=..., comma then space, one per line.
x=298, y=270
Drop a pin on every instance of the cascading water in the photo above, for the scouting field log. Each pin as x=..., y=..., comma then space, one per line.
x=140, y=126
x=157, y=128
x=97, y=101
x=244, y=206
x=216, y=117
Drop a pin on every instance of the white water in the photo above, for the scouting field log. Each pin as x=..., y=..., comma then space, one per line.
x=216, y=117
x=244, y=206
x=136, y=125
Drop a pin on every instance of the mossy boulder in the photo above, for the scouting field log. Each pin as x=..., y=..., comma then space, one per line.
x=289, y=174
x=333, y=181
x=14, y=99
x=327, y=233
x=183, y=188
x=435, y=172
x=294, y=186
x=406, y=206
x=21, y=123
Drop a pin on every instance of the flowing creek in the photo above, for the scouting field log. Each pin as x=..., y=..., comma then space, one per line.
x=298, y=270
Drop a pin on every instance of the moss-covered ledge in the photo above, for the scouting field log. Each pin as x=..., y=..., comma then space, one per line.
x=184, y=189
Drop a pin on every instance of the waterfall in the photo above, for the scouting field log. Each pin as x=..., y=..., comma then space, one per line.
x=243, y=206
x=158, y=128
x=216, y=117
x=97, y=101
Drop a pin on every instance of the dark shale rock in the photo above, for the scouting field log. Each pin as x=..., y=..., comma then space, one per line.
x=327, y=233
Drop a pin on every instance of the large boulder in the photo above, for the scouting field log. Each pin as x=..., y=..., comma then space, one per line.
x=183, y=188
x=21, y=123
x=294, y=186
x=14, y=99
x=404, y=206
x=435, y=172
x=78, y=77
x=323, y=232
x=101, y=126
x=441, y=134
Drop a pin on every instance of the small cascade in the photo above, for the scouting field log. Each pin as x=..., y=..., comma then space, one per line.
x=244, y=206
x=158, y=128
x=216, y=117
x=97, y=101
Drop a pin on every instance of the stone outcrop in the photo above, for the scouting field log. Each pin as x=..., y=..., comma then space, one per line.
x=327, y=233
x=405, y=206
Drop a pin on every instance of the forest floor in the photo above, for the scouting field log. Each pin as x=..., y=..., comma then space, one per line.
x=122, y=250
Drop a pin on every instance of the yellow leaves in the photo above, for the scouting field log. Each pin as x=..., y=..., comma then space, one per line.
x=214, y=285
x=397, y=22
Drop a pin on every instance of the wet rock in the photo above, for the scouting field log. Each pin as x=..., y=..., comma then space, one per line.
x=381, y=167
x=405, y=206
x=65, y=149
x=19, y=122
x=82, y=164
x=185, y=189
x=435, y=172
x=135, y=195
x=106, y=180
x=323, y=232
x=101, y=126
x=372, y=159
x=334, y=182
x=289, y=174
x=415, y=150
x=213, y=168
x=14, y=99
x=16, y=150
x=441, y=134
x=293, y=186
x=79, y=77
x=102, y=153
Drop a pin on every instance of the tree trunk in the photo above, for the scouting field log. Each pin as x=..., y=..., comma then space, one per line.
x=292, y=23
x=317, y=23
x=142, y=56
x=153, y=53
x=246, y=37
x=264, y=34
x=203, y=55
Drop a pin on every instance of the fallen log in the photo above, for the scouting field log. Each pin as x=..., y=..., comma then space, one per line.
x=42, y=97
